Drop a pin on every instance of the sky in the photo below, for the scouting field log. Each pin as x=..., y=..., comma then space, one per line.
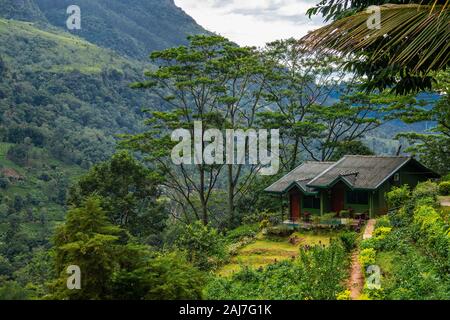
x=253, y=22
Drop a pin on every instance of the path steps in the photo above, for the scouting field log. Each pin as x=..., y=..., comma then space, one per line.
x=356, y=281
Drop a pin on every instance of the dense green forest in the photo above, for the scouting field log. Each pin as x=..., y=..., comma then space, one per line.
x=86, y=176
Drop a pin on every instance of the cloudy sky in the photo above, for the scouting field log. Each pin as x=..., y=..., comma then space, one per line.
x=253, y=22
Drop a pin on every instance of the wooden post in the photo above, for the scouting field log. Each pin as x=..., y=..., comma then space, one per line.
x=371, y=205
x=321, y=203
x=282, y=208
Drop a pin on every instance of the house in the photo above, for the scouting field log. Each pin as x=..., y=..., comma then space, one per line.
x=355, y=183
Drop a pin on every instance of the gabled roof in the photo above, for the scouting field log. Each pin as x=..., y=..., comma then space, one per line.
x=361, y=172
x=300, y=177
x=357, y=172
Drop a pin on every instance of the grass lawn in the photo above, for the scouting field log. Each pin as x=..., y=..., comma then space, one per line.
x=267, y=250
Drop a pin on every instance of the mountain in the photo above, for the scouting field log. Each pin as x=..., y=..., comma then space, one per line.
x=25, y=10
x=132, y=28
x=64, y=98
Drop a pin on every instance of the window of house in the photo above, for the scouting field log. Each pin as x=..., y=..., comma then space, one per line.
x=311, y=202
x=358, y=197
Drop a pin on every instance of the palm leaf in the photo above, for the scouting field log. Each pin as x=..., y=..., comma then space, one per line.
x=411, y=35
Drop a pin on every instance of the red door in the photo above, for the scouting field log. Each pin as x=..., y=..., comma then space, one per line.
x=295, y=206
x=337, y=198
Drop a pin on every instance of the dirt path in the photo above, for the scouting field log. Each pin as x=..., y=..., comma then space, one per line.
x=356, y=281
x=445, y=201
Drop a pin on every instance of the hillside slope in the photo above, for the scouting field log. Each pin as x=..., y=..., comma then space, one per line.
x=130, y=27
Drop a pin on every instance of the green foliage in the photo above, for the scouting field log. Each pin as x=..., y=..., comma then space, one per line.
x=90, y=241
x=129, y=195
x=165, y=277
x=426, y=189
x=279, y=230
x=367, y=257
x=355, y=147
x=344, y=214
x=131, y=28
x=344, y=295
x=381, y=232
x=383, y=222
x=419, y=248
x=398, y=196
x=204, y=246
x=244, y=231
x=432, y=234
x=11, y=290
x=348, y=239
x=112, y=266
x=19, y=154
x=316, y=274
x=444, y=188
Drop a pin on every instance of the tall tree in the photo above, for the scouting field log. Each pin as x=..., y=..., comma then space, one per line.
x=433, y=147
x=318, y=105
x=213, y=81
x=129, y=193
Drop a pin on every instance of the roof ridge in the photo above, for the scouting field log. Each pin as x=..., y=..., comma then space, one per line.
x=375, y=156
x=326, y=170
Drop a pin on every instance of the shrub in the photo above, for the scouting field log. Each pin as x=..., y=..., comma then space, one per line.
x=381, y=232
x=373, y=243
x=204, y=246
x=367, y=257
x=425, y=189
x=280, y=231
x=344, y=295
x=375, y=294
x=244, y=231
x=398, y=196
x=317, y=274
x=431, y=231
x=444, y=188
x=4, y=183
x=383, y=222
x=348, y=239
x=264, y=224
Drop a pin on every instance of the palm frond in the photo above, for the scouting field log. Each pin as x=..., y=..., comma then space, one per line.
x=417, y=36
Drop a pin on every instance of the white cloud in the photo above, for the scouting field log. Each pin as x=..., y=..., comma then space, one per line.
x=253, y=22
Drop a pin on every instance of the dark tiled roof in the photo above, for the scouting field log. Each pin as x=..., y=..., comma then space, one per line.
x=360, y=172
x=301, y=175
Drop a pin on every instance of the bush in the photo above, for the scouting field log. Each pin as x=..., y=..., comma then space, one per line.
x=383, y=222
x=431, y=231
x=204, y=246
x=367, y=257
x=398, y=196
x=344, y=295
x=280, y=231
x=264, y=224
x=381, y=232
x=426, y=189
x=444, y=188
x=244, y=231
x=317, y=274
x=348, y=239
x=18, y=154
x=4, y=183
